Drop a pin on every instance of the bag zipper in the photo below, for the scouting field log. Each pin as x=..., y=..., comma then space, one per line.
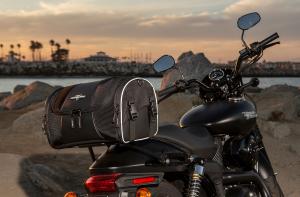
x=116, y=116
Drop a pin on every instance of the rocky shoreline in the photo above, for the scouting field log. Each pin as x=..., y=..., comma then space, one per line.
x=76, y=69
x=85, y=68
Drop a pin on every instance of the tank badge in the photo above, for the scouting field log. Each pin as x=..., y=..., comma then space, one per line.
x=77, y=97
x=250, y=114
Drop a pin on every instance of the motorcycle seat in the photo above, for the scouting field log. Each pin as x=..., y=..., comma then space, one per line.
x=197, y=140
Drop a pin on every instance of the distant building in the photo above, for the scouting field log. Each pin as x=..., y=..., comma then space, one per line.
x=100, y=57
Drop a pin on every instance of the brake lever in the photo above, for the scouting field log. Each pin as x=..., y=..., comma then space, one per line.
x=270, y=45
x=254, y=82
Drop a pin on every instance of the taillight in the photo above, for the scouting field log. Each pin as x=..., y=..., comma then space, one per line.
x=102, y=183
x=144, y=180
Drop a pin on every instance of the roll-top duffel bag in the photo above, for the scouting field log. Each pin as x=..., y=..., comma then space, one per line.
x=115, y=110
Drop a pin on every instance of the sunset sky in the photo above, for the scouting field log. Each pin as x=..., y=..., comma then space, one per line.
x=157, y=26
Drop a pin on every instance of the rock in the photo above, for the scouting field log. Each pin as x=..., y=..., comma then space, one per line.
x=279, y=102
x=277, y=130
x=45, y=178
x=3, y=95
x=171, y=109
x=18, y=88
x=184, y=55
x=193, y=66
x=33, y=93
x=295, y=148
x=30, y=124
x=57, y=87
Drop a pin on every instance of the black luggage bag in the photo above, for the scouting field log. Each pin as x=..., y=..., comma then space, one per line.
x=115, y=110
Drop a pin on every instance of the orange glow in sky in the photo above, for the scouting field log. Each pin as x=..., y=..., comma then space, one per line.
x=125, y=27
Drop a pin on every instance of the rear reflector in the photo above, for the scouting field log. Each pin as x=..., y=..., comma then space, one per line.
x=143, y=180
x=71, y=194
x=102, y=183
x=143, y=192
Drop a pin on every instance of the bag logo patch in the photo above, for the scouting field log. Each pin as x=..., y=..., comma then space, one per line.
x=78, y=97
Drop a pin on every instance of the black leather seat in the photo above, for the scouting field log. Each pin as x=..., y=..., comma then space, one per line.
x=196, y=139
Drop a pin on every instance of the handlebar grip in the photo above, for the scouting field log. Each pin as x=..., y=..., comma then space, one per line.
x=268, y=40
x=168, y=90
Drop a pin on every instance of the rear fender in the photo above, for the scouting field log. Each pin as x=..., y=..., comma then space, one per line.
x=141, y=157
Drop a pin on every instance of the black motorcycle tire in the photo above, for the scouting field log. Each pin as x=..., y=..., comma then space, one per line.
x=166, y=189
x=273, y=187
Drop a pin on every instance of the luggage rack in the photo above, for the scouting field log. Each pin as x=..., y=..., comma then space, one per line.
x=91, y=150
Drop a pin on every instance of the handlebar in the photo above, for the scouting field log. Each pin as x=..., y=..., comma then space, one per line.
x=255, y=50
x=169, y=90
x=268, y=40
x=182, y=85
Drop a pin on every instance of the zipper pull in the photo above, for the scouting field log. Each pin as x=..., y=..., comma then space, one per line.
x=79, y=119
x=72, y=122
x=116, y=116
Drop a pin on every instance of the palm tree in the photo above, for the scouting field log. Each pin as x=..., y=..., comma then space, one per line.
x=68, y=42
x=19, y=48
x=57, y=46
x=52, y=43
x=11, y=53
x=1, y=46
x=32, y=47
x=39, y=47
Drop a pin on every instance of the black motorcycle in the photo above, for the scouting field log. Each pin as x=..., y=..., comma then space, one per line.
x=216, y=151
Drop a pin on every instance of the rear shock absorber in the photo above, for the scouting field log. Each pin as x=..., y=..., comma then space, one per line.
x=194, y=188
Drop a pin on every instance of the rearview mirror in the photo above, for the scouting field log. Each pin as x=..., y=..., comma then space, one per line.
x=164, y=63
x=249, y=20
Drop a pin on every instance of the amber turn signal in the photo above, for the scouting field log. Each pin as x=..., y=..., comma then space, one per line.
x=71, y=194
x=143, y=192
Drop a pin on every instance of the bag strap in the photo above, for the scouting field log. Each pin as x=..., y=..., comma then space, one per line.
x=153, y=114
x=133, y=117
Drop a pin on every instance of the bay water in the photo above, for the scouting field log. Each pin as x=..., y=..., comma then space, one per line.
x=8, y=83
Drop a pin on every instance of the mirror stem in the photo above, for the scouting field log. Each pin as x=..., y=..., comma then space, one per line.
x=244, y=43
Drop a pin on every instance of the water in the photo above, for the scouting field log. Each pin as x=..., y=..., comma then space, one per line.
x=8, y=84
x=269, y=81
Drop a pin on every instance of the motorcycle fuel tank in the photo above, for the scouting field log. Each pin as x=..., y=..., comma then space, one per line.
x=235, y=116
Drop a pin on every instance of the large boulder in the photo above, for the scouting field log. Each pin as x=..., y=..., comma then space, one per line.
x=17, y=88
x=192, y=66
x=33, y=93
x=30, y=124
x=171, y=109
x=278, y=103
x=277, y=130
x=3, y=95
x=45, y=178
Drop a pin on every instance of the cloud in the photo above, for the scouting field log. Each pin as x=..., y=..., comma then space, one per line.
x=89, y=22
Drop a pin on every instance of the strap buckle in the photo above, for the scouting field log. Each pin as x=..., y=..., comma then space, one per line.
x=76, y=113
x=133, y=111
